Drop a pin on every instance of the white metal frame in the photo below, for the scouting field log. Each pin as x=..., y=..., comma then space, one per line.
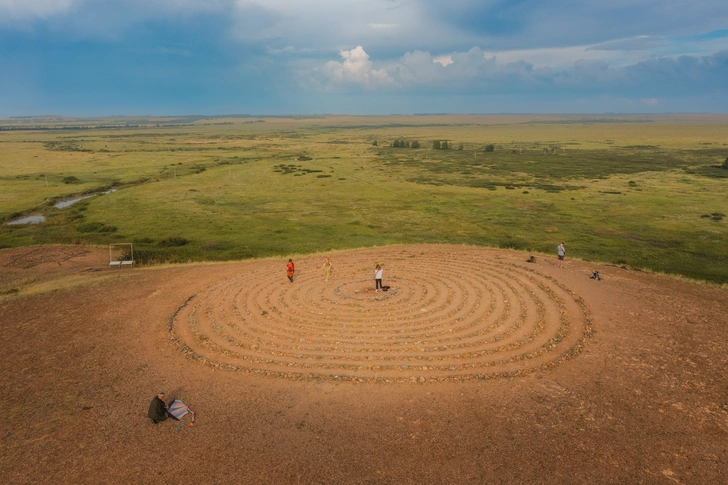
x=125, y=262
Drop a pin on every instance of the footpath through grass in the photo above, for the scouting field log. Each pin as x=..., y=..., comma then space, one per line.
x=646, y=192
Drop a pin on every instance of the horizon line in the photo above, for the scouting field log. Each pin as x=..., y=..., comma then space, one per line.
x=319, y=115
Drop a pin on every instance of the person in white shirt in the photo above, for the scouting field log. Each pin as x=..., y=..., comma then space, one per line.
x=378, y=278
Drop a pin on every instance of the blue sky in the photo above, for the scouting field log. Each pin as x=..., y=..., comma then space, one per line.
x=168, y=57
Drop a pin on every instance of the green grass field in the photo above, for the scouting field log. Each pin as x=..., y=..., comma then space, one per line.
x=642, y=191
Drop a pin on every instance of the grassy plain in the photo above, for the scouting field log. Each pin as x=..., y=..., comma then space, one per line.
x=640, y=191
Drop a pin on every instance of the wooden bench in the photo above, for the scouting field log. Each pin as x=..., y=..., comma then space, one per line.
x=121, y=264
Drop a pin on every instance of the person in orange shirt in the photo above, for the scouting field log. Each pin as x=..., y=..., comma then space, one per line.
x=290, y=270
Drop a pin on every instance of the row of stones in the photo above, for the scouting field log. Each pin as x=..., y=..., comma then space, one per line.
x=295, y=340
x=548, y=346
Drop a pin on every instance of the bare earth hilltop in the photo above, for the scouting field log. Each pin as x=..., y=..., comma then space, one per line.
x=475, y=367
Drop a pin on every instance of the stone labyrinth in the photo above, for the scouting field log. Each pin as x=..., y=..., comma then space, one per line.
x=450, y=314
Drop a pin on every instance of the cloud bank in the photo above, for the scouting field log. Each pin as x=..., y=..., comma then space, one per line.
x=475, y=72
x=273, y=55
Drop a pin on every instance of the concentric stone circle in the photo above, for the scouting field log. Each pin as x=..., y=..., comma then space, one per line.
x=451, y=313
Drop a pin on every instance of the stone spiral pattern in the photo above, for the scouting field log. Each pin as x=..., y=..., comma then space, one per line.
x=454, y=314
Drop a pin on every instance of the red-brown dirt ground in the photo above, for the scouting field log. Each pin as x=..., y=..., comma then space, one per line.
x=475, y=367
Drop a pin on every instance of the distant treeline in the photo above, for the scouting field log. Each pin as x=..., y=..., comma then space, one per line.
x=584, y=121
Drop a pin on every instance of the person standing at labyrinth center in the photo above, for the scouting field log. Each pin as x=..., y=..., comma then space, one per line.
x=290, y=270
x=561, y=251
x=377, y=278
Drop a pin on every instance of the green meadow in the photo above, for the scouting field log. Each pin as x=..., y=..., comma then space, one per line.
x=645, y=192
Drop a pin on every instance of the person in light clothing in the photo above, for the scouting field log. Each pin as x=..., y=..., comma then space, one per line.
x=327, y=268
x=378, y=278
x=561, y=252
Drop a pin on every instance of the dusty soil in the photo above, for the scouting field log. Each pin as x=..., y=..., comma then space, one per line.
x=475, y=367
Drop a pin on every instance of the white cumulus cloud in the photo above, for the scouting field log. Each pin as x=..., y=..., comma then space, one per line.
x=14, y=10
x=355, y=69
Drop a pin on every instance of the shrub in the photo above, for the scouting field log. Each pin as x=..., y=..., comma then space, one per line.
x=490, y=148
x=508, y=243
x=91, y=227
x=71, y=180
x=212, y=246
x=173, y=242
x=725, y=164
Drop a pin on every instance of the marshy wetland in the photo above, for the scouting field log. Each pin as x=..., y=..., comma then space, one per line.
x=637, y=191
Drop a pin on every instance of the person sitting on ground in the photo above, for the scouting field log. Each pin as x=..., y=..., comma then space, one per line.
x=157, y=409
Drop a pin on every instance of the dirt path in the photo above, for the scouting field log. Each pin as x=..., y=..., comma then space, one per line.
x=475, y=367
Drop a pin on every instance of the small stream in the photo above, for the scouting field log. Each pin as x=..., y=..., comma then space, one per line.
x=37, y=219
x=66, y=203
x=27, y=220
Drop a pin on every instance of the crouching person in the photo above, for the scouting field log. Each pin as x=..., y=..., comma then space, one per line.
x=157, y=409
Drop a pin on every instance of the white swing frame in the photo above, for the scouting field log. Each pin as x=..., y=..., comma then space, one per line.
x=126, y=262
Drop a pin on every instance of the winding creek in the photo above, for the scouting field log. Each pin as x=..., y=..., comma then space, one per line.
x=38, y=218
